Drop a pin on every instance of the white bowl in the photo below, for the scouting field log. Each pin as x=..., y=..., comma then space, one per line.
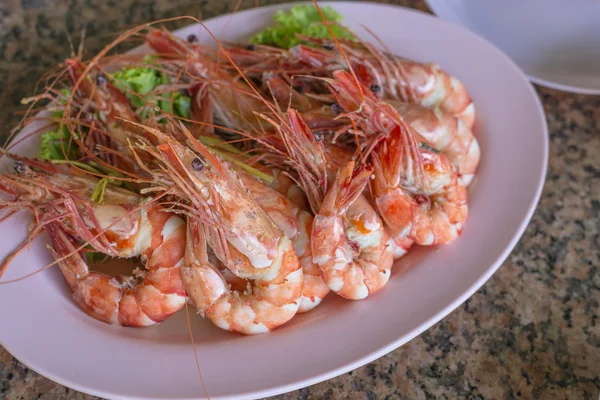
x=43, y=328
x=555, y=42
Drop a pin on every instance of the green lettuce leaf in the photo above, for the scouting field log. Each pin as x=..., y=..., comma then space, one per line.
x=304, y=20
x=138, y=80
x=56, y=144
x=142, y=80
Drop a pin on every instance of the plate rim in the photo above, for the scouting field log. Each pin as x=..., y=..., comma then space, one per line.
x=445, y=311
x=441, y=12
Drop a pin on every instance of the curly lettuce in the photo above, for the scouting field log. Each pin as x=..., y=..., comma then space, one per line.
x=143, y=80
x=139, y=80
x=58, y=145
x=303, y=20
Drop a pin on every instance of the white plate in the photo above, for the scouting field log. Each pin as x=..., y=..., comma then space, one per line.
x=44, y=329
x=555, y=42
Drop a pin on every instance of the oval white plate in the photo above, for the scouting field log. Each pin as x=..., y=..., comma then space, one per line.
x=44, y=329
x=555, y=42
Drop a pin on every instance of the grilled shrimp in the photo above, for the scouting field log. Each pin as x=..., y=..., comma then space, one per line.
x=232, y=100
x=124, y=225
x=394, y=78
x=109, y=102
x=112, y=110
x=271, y=176
x=417, y=191
x=297, y=225
x=447, y=134
x=283, y=201
x=259, y=307
x=240, y=233
x=92, y=118
x=443, y=131
x=349, y=241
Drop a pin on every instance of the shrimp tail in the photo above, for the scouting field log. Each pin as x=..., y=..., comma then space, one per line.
x=349, y=242
x=102, y=304
x=203, y=282
x=349, y=184
x=64, y=248
x=307, y=156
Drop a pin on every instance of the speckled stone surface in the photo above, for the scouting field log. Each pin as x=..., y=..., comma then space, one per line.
x=531, y=332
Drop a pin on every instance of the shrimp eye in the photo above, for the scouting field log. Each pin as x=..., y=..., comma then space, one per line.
x=100, y=80
x=318, y=136
x=298, y=88
x=19, y=167
x=192, y=38
x=251, y=47
x=328, y=46
x=197, y=164
x=336, y=108
x=375, y=88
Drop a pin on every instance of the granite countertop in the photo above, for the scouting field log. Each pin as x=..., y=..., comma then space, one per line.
x=532, y=331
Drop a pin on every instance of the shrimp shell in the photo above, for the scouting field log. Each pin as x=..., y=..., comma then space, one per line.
x=123, y=226
x=261, y=307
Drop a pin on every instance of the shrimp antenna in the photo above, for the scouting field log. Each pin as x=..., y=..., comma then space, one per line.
x=339, y=46
x=71, y=46
x=80, y=49
x=244, y=77
x=377, y=53
x=94, y=61
x=189, y=324
x=86, y=243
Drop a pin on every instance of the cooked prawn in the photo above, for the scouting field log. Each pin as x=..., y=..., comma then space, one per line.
x=417, y=191
x=122, y=226
x=232, y=100
x=447, y=134
x=110, y=105
x=297, y=225
x=442, y=130
x=240, y=233
x=349, y=241
x=430, y=209
x=393, y=77
x=259, y=307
